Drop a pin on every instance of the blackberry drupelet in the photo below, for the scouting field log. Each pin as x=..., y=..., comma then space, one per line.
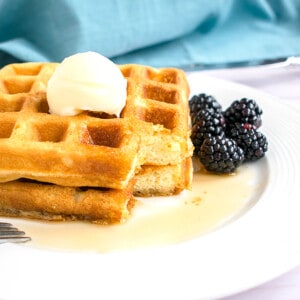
x=204, y=102
x=244, y=111
x=200, y=115
x=205, y=126
x=220, y=155
x=253, y=142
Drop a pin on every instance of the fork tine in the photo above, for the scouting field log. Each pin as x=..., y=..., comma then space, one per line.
x=8, y=233
x=3, y=224
x=18, y=239
x=8, y=229
x=11, y=233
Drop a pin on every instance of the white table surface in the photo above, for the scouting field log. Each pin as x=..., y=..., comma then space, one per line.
x=283, y=82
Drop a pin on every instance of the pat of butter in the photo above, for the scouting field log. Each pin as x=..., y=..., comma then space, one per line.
x=86, y=81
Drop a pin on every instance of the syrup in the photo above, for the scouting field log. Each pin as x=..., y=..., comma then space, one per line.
x=213, y=202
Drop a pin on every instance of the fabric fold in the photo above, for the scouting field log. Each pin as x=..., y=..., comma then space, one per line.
x=160, y=33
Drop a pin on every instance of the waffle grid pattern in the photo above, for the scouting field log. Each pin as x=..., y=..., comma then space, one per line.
x=157, y=96
x=157, y=100
x=82, y=167
x=61, y=150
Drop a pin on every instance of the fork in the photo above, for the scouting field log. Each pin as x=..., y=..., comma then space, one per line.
x=11, y=234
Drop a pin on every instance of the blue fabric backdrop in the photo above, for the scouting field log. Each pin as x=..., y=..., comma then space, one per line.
x=155, y=32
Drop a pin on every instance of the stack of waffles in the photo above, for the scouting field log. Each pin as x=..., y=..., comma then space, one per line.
x=91, y=166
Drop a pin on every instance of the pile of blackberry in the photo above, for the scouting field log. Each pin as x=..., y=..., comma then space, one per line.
x=224, y=139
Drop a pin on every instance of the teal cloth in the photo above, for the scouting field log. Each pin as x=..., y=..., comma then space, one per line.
x=160, y=33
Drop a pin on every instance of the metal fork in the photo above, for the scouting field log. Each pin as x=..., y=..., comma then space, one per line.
x=11, y=234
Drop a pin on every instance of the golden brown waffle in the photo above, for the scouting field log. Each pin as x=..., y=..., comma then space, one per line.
x=37, y=200
x=68, y=151
x=163, y=180
x=158, y=101
x=151, y=140
x=17, y=81
x=61, y=150
x=78, y=151
x=51, y=202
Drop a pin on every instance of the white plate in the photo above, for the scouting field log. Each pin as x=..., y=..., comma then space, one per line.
x=260, y=244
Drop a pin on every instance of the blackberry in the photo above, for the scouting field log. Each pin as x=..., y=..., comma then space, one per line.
x=205, y=126
x=201, y=115
x=253, y=142
x=233, y=130
x=244, y=111
x=204, y=102
x=220, y=155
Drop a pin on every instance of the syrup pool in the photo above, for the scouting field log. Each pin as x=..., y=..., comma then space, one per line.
x=214, y=201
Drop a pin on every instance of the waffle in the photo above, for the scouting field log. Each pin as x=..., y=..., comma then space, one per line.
x=156, y=112
x=163, y=180
x=29, y=199
x=37, y=200
x=149, y=144
x=68, y=151
x=158, y=101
